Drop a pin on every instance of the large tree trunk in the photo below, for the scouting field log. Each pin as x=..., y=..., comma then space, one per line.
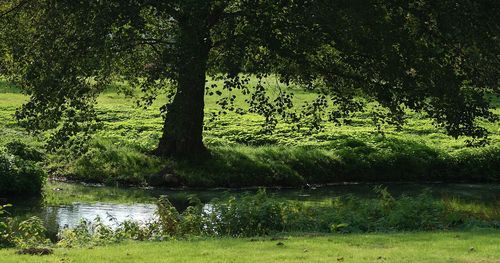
x=183, y=128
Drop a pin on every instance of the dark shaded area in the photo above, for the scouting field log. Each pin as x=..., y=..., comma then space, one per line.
x=353, y=161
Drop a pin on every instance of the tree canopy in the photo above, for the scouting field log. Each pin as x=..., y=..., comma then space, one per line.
x=436, y=57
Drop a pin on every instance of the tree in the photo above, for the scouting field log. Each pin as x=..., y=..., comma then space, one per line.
x=439, y=57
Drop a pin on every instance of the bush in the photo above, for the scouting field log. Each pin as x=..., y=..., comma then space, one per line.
x=27, y=234
x=19, y=177
x=31, y=233
x=24, y=151
x=262, y=214
x=5, y=235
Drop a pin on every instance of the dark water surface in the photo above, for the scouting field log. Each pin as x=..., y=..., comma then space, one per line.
x=141, y=206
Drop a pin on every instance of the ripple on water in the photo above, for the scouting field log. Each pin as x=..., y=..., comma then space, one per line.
x=110, y=214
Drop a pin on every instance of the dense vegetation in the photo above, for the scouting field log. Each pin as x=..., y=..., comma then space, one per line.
x=260, y=214
x=20, y=173
x=244, y=154
x=438, y=58
x=243, y=93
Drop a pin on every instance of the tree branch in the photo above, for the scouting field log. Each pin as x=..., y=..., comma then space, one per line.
x=20, y=5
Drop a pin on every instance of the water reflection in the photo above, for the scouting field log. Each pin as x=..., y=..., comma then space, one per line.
x=58, y=217
x=111, y=214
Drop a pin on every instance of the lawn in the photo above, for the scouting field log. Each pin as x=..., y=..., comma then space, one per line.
x=470, y=246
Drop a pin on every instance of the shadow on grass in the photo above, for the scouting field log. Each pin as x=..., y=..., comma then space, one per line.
x=345, y=160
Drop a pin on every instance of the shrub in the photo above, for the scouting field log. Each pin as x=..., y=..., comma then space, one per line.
x=19, y=176
x=27, y=234
x=96, y=233
x=5, y=235
x=31, y=233
x=24, y=151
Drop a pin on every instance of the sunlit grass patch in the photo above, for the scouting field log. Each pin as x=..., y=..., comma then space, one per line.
x=468, y=246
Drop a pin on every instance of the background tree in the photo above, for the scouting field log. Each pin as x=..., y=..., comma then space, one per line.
x=436, y=57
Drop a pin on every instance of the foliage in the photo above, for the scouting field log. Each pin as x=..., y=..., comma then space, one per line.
x=24, y=151
x=96, y=233
x=27, y=234
x=30, y=233
x=259, y=214
x=19, y=176
x=387, y=160
x=262, y=214
x=435, y=58
x=5, y=239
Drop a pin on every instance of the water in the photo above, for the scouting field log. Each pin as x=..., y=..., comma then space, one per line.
x=112, y=214
x=140, y=206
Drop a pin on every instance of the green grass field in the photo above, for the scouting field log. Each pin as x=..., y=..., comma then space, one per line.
x=473, y=246
x=245, y=156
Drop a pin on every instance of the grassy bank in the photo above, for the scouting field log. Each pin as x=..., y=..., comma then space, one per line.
x=473, y=246
x=244, y=155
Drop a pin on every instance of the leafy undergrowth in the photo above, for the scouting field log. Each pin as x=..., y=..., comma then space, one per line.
x=260, y=215
x=350, y=161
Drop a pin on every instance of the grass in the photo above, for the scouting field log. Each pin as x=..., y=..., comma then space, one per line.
x=471, y=246
x=245, y=156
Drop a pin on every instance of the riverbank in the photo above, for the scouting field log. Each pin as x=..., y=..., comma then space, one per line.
x=341, y=209
x=469, y=246
x=287, y=225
